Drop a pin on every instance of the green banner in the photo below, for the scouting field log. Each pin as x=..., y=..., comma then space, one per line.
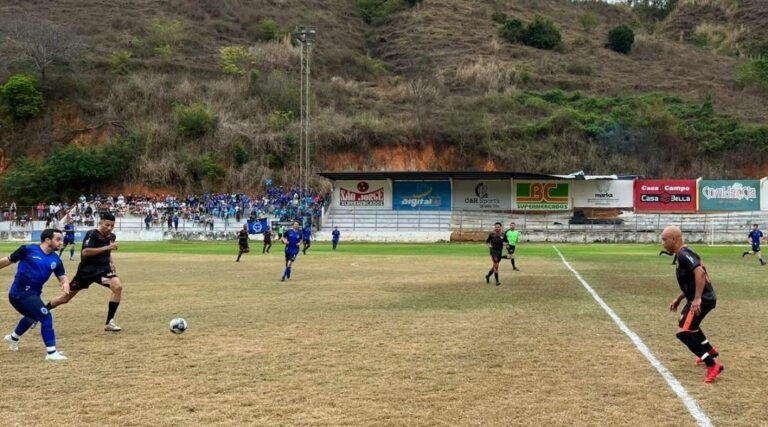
x=719, y=195
x=543, y=196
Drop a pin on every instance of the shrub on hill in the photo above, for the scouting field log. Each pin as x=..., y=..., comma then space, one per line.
x=194, y=120
x=754, y=73
x=542, y=33
x=621, y=39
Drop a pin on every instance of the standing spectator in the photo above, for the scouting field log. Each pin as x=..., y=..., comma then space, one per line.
x=176, y=221
x=148, y=220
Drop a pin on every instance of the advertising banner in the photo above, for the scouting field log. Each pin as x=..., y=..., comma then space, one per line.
x=482, y=195
x=719, y=195
x=671, y=195
x=542, y=195
x=764, y=194
x=422, y=195
x=362, y=194
x=603, y=193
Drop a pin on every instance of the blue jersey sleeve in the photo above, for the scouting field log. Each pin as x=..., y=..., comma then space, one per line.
x=18, y=254
x=59, y=270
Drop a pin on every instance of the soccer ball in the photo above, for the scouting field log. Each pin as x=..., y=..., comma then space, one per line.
x=178, y=325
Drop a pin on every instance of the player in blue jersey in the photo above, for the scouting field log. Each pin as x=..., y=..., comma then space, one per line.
x=307, y=237
x=69, y=239
x=36, y=263
x=754, y=238
x=335, y=239
x=291, y=238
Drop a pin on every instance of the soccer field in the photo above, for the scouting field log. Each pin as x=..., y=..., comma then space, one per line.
x=389, y=334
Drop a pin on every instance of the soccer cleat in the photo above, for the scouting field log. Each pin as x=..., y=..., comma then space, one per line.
x=712, y=353
x=55, y=356
x=516, y=269
x=112, y=327
x=762, y=261
x=487, y=280
x=12, y=343
x=744, y=254
x=498, y=283
x=713, y=371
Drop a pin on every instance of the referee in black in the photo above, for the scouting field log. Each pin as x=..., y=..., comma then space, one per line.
x=242, y=242
x=495, y=242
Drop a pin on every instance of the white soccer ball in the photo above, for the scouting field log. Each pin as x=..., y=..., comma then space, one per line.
x=178, y=325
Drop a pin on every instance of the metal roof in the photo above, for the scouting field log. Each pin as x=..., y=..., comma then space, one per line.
x=432, y=175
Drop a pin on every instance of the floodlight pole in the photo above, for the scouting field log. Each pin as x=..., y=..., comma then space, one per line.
x=306, y=38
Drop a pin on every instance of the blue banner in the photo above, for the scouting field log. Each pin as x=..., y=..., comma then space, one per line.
x=36, y=236
x=257, y=226
x=422, y=196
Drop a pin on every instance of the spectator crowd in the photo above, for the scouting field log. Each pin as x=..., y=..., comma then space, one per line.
x=171, y=210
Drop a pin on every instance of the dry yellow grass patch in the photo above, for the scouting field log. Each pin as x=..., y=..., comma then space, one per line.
x=415, y=340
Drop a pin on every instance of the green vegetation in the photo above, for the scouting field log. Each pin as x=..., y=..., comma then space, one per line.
x=21, y=96
x=87, y=170
x=376, y=11
x=267, y=30
x=542, y=33
x=754, y=73
x=615, y=123
x=589, y=21
x=621, y=39
x=121, y=61
x=235, y=60
x=194, y=120
x=279, y=120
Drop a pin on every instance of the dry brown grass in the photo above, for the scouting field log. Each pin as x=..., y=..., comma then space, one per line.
x=382, y=340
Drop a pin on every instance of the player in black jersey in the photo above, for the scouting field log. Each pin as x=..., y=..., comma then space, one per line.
x=242, y=242
x=96, y=266
x=696, y=288
x=267, y=241
x=495, y=242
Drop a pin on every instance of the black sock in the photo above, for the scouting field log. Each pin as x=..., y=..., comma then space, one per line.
x=112, y=310
x=692, y=342
x=48, y=306
x=703, y=340
x=239, y=254
x=496, y=276
x=513, y=263
x=489, y=273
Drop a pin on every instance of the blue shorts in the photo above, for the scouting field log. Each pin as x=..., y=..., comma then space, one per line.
x=755, y=247
x=29, y=305
x=290, y=256
x=69, y=240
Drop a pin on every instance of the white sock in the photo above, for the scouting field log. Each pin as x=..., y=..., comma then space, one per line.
x=51, y=350
x=14, y=336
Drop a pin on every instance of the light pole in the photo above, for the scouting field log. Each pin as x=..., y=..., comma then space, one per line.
x=306, y=38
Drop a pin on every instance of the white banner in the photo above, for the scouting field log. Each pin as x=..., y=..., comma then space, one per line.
x=482, y=195
x=764, y=194
x=362, y=194
x=601, y=193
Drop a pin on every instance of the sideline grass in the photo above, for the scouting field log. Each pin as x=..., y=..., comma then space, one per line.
x=386, y=334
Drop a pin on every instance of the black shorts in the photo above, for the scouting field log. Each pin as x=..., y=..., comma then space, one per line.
x=511, y=249
x=84, y=279
x=29, y=305
x=496, y=256
x=290, y=256
x=690, y=321
x=244, y=247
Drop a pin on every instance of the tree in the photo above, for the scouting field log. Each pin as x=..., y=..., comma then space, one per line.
x=41, y=42
x=22, y=97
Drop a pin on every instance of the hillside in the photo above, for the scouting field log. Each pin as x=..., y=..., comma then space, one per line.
x=426, y=87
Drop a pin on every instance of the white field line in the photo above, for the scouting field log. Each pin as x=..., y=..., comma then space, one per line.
x=690, y=403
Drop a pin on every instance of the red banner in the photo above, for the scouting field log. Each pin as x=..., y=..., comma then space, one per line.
x=670, y=195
